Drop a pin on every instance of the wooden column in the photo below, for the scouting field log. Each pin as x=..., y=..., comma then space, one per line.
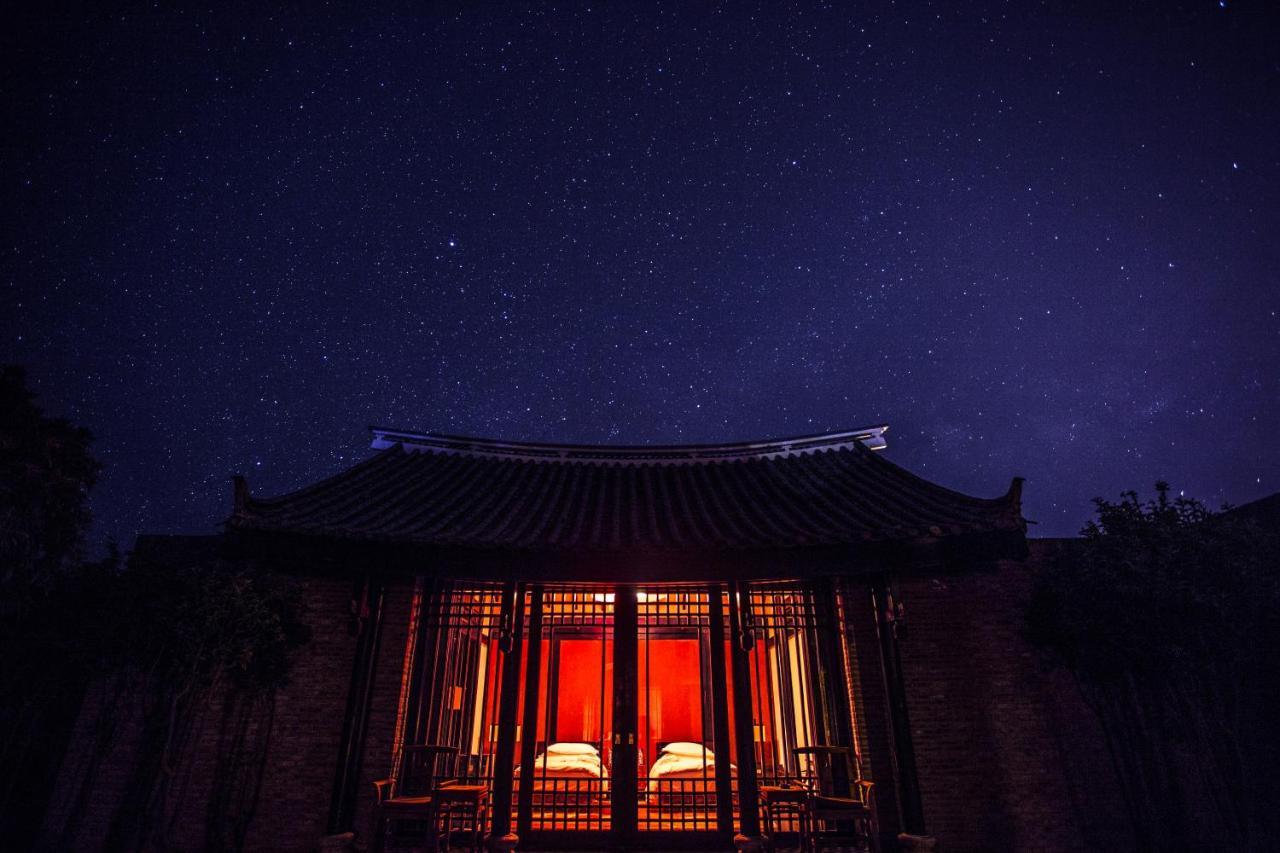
x=835, y=689
x=626, y=713
x=422, y=665
x=749, y=838
x=888, y=615
x=720, y=711
x=529, y=738
x=367, y=619
x=500, y=835
x=875, y=730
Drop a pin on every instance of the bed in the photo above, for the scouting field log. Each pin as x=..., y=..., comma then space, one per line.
x=567, y=774
x=684, y=776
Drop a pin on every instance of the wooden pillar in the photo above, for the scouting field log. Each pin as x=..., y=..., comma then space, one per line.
x=422, y=665
x=626, y=711
x=529, y=738
x=835, y=688
x=367, y=620
x=875, y=731
x=501, y=836
x=720, y=711
x=741, y=642
x=888, y=619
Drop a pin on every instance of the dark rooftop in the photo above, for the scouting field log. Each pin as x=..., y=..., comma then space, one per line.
x=812, y=490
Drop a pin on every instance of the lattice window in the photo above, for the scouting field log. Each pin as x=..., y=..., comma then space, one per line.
x=570, y=778
x=677, y=785
x=460, y=670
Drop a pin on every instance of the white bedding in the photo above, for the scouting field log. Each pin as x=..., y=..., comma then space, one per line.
x=669, y=766
x=555, y=764
x=569, y=780
x=567, y=761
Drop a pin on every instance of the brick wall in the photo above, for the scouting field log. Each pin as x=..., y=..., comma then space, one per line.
x=870, y=702
x=307, y=729
x=1009, y=757
x=380, y=734
x=302, y=729
x=78, y=814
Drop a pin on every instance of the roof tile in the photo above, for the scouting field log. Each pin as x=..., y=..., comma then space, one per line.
x=488, y=494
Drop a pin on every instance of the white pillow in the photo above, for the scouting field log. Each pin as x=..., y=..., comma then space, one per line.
x=683, y=747
x=572, y=749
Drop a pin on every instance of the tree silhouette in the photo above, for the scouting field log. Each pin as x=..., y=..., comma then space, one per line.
x=160, y=641
x=46, y=472
x=1168, y=617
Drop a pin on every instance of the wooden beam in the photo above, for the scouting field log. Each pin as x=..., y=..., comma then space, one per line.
x=309, y=554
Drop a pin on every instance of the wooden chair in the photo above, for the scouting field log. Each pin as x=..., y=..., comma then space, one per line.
x=780, y=805
x=841, y=809
x=467, y=808
x=411, y=792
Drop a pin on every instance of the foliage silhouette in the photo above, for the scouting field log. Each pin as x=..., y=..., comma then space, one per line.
x=157, y=641
x=46, y=472
x=1168, y=616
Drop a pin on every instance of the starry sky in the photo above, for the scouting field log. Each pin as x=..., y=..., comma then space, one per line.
x=1034, y=238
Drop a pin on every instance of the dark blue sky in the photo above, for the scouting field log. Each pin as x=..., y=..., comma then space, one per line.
x=1034, y=241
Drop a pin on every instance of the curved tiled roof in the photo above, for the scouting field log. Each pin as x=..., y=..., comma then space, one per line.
x=447, y=490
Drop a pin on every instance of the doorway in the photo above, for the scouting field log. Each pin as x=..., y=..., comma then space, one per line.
x=625, y=705
x=624, y=695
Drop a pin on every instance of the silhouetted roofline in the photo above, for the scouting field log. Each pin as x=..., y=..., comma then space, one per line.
x=671, y=454
x=814, y=490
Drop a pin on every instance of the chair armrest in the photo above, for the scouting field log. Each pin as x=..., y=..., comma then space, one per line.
x=382, y=788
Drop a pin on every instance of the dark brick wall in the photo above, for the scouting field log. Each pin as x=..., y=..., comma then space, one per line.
x=79, y=814
x=871, y=721
x=303, y=756
x=305, y=724
x=1009, y=757
x=380, y=735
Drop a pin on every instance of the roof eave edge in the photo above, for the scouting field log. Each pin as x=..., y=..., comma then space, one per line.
x=871, y=437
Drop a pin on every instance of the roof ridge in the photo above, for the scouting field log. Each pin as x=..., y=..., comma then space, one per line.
x=871, y=437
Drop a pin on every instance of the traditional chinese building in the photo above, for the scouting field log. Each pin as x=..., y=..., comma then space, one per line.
x=628, y=646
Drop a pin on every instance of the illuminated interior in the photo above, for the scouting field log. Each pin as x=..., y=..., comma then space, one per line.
x=574, y=709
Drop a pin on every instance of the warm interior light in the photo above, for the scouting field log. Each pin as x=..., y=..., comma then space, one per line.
x=493, y=732
x=672, y=696
x=608, y=597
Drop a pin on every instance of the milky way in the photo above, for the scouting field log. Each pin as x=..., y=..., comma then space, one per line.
x=1034, y=242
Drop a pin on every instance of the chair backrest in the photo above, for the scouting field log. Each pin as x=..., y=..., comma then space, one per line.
x=832, y=768
x=416, y=773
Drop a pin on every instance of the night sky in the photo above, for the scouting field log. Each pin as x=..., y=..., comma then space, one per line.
x=1034, y=241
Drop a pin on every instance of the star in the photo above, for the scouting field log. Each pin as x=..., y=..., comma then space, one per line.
x=972, y=231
